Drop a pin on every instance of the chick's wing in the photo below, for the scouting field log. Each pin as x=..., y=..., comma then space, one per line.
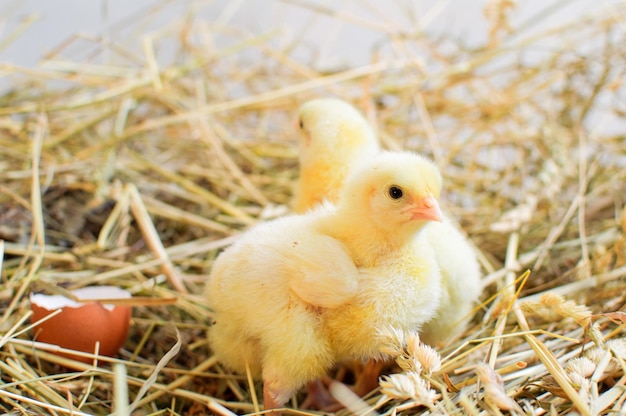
x=322, y=271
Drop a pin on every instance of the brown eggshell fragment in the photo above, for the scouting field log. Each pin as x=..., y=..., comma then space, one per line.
x=79, y=326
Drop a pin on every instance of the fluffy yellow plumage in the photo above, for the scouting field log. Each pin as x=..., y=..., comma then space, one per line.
x=336, y=138
x=460, y=282
x=294, y=295
x=335, y=129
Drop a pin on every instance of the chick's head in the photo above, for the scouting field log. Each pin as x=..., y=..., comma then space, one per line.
x=330, y=126
x=398, y=192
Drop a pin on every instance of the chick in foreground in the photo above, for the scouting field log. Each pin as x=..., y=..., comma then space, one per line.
x=336, y=138
x=294, y=295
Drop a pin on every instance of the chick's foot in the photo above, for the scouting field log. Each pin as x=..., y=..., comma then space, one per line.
x=367, y=377
x=318, y=397
x=366, y=380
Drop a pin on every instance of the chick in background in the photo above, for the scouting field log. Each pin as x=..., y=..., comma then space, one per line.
x=335, y=139
x=294, y=295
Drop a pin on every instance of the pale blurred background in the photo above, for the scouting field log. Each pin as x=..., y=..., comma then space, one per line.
x=321, y=35
x=31, y=29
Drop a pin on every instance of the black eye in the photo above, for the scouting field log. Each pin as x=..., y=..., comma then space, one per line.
x=395, y=192
x=301, y=124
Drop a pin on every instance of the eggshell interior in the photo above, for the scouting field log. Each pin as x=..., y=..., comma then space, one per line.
x=79, y=326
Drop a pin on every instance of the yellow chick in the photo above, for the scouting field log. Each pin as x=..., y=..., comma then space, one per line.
x=336, y=138
x=460, y=282
x=336, y=130
x=294, y=295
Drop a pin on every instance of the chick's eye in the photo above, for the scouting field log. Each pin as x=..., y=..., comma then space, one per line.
x=301, y=124
x=395, y=192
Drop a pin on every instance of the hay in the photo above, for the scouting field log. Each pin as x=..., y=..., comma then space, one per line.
x=136, y=174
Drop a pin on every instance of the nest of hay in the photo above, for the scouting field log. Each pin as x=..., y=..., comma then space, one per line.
x=137, y=173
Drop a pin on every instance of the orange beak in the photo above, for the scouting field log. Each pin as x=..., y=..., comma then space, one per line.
x=426, y=209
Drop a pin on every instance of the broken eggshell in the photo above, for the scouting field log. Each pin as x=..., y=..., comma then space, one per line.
x=81, y=325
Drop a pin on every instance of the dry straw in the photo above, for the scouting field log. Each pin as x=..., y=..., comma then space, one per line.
x=120, y=167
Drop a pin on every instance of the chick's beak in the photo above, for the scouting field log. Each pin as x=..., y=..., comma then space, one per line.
x=426, y=209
